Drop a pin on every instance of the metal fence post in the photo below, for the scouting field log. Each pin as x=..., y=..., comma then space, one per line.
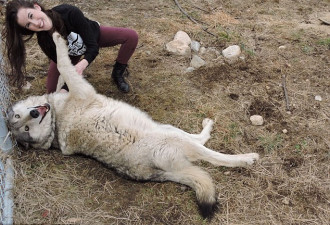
x=6, y=147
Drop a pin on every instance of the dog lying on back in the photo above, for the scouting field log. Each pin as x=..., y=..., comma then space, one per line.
x=118, y=135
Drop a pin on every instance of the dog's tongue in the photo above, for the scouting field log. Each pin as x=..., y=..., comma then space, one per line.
x=42, y=110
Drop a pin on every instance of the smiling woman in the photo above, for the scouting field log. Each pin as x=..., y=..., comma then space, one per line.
x=34, y=19
x=24, y=18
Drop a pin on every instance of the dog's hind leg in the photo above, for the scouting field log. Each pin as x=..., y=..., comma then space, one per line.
x=201, y=138
x=194, y=152
x=161, y=159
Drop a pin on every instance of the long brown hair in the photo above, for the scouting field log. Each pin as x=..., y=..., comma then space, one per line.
x=15, y=37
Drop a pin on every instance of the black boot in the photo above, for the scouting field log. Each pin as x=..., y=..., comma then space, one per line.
x=118, y=77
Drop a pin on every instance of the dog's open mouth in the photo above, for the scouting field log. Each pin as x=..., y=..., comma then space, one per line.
x=40, y=110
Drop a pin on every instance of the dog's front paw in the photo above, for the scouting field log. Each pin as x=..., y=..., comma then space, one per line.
x=58, y=39
x=56, y=36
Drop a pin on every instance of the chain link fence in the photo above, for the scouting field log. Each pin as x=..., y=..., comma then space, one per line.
x=6, y=146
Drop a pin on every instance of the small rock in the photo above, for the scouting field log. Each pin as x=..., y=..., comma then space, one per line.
x=183, y=37
x=195, y=46
x=180, y=44
x=202, y=50
x=27, y=86
x=282, y=47
x=325, y=18
x=190, y=69
x=183, y=188
x=318, y=98
x=231, y=52
x=242, y=57
x=227, y=173
x=285, y=131
x=178, y=47
x=197, y=62
x=257, y=120
x=286, y=201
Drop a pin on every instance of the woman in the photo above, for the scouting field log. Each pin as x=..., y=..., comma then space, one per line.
x=85, y=37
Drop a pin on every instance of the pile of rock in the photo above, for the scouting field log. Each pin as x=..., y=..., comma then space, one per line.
x=184, y=46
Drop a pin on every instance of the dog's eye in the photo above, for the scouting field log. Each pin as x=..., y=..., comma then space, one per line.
x=27, y=128
x=17, y=116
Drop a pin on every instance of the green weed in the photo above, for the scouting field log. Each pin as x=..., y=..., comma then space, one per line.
x=222, y=34
x=247, y=50
x=297, y=36
x=271, y=142
x=233, y=132
x=306, y=48
x=325, y=42
x=300, y=146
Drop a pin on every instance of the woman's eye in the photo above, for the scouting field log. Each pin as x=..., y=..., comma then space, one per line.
x=17, y=116
x=27, y=128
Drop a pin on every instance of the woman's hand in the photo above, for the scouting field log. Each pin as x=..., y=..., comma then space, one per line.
x=81, y=66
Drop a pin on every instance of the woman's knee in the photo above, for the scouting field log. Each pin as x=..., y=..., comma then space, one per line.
x=133, y=36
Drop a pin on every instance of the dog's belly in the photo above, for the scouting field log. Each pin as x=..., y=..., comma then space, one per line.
x=110, y=145
x=95, y=139
x=101, y=132
x=105, y=130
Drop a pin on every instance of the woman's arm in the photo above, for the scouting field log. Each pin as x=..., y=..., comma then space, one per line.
x=81, y=66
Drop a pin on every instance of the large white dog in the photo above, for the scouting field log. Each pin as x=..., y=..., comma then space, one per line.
x=117, y=134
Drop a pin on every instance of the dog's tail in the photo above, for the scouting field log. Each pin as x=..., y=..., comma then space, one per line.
x=201, y=182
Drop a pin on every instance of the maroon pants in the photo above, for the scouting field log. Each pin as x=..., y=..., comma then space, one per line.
x=109, y=36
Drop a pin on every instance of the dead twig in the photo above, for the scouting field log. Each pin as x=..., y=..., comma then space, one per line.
x=193, y=20
x=196, y=7
x=285, y=92
x=184, y=12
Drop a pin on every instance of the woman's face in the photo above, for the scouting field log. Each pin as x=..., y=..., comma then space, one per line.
x=34, y=19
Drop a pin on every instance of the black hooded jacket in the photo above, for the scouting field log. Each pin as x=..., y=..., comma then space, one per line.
x=74, y=21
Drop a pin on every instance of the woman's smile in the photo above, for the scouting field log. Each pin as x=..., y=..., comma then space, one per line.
x=34, y=19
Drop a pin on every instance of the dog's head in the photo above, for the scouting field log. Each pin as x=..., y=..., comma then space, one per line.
x=32, y=122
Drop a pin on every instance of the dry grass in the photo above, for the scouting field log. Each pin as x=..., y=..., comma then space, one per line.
x=290, y=184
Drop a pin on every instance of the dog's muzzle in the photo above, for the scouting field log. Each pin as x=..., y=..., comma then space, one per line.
x=41, y=109
x=34, y=113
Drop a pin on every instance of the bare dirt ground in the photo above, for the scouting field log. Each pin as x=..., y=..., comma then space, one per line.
x=289, y=185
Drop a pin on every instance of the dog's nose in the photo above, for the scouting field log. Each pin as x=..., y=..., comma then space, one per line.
x=34, y=113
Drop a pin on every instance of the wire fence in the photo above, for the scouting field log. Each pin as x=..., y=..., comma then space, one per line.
x=6, y=146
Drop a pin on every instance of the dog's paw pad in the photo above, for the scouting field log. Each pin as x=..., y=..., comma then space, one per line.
x=207, y=122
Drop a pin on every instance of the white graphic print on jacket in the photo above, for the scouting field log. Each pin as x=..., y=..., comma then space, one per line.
x=76, y=44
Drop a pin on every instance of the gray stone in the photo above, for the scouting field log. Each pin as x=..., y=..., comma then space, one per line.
x=257, y=120
x=197, y=62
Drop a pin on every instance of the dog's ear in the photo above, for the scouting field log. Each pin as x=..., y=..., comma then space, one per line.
x=9, y=111
x=24, y=139
x=25, y=145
